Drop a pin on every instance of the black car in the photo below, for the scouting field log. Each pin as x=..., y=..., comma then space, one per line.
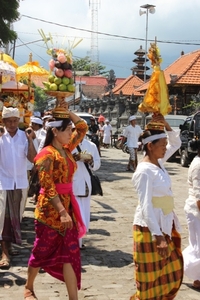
x=189, y=131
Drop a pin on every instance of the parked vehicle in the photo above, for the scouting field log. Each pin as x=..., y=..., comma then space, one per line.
x=188, y=132
x=85, y=116
x=175, y=121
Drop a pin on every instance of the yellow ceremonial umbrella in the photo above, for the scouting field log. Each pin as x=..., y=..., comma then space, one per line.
x=7, y=58
x=6, y=71
x=29, y=69
x=7, y=67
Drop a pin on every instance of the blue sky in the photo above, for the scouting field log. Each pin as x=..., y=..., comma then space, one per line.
x=173, y=21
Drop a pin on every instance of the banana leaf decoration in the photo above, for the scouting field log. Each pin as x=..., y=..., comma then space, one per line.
x=54, y=51
x=156, y=99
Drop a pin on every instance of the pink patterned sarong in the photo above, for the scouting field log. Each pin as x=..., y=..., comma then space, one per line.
x=51, y=249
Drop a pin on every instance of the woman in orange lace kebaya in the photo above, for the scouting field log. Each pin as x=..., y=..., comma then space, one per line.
x=58, y=221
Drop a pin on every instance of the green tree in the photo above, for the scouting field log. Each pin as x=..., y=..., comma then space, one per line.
x=40, y=97
x=193, y=106
x=40, y=100
x=8, y=14
x=85, y=64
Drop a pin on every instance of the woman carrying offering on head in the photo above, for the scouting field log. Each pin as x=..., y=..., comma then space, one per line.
x=156, y=252
x=58, y=221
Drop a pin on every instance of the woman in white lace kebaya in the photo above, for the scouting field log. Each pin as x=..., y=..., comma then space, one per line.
x=156, y=252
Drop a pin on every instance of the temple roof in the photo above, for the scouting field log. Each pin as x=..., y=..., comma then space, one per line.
x=96, y=80
x=140, y=52
x=128, y=86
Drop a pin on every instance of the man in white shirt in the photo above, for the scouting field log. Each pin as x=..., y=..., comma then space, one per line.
x=37, y=125
x=43, y=131
x=16, y=147
x=81, y=180
x=132, y=133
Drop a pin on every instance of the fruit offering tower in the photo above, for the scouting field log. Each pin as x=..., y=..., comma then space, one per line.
x=60, y=82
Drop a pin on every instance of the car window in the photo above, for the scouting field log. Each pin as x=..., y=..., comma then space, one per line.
x=186, y=125
x=197, y=122
x=87, y=119
x=175, y=122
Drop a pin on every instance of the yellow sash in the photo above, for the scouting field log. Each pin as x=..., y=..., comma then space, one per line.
x=166, y=203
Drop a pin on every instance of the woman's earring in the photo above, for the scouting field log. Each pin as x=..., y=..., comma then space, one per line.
x=55, y=134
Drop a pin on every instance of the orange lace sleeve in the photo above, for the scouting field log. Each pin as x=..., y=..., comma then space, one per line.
x=45, y=166
x=78, y=134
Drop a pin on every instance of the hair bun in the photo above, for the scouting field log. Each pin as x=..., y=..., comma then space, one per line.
x=60, y=113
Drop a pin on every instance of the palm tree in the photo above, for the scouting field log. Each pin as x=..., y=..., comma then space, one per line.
x=8, y=14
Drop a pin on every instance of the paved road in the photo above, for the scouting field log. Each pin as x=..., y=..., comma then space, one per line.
x=107, y=265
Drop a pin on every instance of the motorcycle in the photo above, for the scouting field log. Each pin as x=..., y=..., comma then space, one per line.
x=118, y=144
x=124, y=147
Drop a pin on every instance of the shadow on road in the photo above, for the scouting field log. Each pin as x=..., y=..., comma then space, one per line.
x=9, y=279
x=102, y=257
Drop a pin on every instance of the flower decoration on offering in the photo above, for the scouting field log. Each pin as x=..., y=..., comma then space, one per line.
x=156, y=99
x=154, y=55
x=60, y=82
x=84, y=155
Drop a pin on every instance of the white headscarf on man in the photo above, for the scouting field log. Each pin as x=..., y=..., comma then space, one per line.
x=9, y=112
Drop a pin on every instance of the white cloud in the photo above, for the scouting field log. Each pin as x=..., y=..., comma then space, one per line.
x=174, y=20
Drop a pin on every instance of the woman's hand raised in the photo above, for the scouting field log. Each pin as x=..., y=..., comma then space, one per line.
x=157, y=117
